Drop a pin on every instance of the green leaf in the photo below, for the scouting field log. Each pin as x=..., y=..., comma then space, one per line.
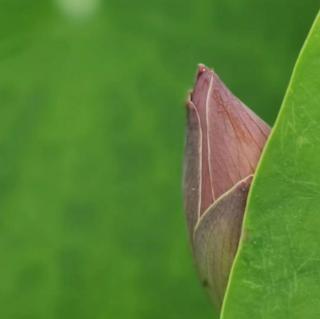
x=276, y=273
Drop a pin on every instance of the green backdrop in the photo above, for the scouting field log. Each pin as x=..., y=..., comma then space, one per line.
x=91, y=144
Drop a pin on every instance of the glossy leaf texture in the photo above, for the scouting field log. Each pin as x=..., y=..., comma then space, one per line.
x=276, y=273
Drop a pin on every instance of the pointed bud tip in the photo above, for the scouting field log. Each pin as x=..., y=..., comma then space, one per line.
x=202, y=72
x=203, y=69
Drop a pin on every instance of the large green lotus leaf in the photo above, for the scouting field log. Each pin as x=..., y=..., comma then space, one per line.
x=277, y=270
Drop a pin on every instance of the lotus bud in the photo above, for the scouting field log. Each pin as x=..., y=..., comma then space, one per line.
x=223, y=146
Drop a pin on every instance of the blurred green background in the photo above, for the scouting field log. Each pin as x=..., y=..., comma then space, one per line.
x=91, y=144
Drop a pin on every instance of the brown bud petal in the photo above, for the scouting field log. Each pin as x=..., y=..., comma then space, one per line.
x=224, y=143
x=216, y=239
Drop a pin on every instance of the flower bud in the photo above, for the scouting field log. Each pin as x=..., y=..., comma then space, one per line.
x=223, y=146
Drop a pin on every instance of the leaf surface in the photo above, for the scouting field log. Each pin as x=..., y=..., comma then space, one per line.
x=276, y=273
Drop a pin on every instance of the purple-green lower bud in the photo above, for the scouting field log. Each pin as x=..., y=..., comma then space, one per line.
x=223, y=146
